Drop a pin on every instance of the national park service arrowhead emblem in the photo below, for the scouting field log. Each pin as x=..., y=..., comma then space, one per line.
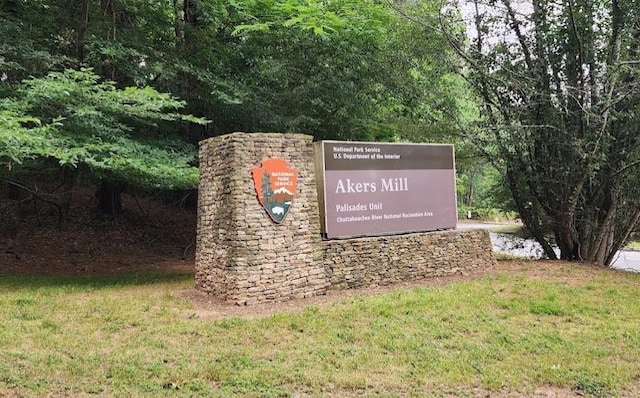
x=276, y=185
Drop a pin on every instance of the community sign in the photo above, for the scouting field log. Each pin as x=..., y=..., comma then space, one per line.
x=371, y=189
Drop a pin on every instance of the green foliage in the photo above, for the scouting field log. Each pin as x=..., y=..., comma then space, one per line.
x=559, y=117
x=27, y=31
x=75, y=118
x=492, y=214
x=316, y=17
x=314, y=68
x=592, y=388
x=342, y=69
x=338, y=69
x=335, y=69
x=17, y=142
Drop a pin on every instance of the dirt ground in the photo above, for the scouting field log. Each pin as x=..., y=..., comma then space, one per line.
x=148, y=233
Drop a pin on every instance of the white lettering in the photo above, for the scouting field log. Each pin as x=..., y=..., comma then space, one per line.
x=355, y=187
x=395, y=184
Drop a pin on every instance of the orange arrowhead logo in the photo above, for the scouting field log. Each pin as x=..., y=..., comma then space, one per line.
x=276, y=185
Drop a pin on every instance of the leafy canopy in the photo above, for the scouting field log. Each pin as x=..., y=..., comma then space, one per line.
x=560, y=86
x=77, y=119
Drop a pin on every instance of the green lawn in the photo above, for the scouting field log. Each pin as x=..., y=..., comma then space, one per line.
x=633, y=245
x=513, y=228
x=575, y=328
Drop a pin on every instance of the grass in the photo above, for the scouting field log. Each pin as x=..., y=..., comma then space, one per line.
x=633, y=245
x=513, y=228
x=136, y=335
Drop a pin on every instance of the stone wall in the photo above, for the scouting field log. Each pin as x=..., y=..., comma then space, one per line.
x=242, y=256
x=384, y=260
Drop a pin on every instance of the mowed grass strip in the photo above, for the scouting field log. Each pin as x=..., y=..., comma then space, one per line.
x=136, y=335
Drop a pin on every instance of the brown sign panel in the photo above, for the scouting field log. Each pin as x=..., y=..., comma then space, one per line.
x=275, y=185
x=378, y=188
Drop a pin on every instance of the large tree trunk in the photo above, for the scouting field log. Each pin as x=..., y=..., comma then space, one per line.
x=109, y=199
x=187, y=21
x=82, y=29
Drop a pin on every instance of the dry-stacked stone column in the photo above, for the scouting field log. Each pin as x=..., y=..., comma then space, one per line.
x=243, y=256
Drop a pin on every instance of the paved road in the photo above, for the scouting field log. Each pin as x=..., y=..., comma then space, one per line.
x=511, y=244
x=627, y=260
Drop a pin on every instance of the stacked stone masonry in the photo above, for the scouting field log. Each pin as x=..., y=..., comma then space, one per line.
x=364, y=262
x=243, y=257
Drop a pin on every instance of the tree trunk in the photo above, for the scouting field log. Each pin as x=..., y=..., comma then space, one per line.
x=185, y=31
x=109, y=199
x=82, y=29
x=68, y=182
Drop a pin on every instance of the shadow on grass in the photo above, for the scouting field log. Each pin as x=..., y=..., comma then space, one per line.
x=12, y=281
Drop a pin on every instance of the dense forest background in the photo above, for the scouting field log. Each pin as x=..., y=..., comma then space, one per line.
x=539, y=97
x=121, y=91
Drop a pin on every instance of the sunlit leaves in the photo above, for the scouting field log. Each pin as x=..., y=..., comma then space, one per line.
x=76, y=118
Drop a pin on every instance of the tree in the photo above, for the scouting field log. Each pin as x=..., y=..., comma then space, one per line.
x=81, y=121
x=342, y=69
x=347, y=69
x=267, y=192
x=559, y=86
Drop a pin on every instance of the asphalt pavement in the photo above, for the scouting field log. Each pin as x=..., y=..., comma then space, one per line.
x=626, y=260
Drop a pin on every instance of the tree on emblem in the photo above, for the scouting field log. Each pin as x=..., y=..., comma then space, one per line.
x=267, y=192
